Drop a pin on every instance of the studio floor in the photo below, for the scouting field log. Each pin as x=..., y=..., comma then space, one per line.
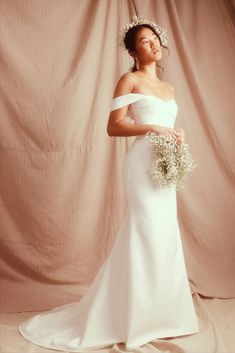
x=217, y=332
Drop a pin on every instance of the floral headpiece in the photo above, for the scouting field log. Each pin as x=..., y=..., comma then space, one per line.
x=139, y=20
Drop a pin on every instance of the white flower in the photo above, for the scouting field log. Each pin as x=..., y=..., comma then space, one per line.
x=137, y=20
x=172, y=163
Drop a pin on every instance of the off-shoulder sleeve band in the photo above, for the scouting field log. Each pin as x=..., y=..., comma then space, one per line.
x=122, y=101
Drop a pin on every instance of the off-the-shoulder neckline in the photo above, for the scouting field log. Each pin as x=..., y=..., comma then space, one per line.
x=146, y=95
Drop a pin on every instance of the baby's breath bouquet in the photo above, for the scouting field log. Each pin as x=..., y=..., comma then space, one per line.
x=171, y=162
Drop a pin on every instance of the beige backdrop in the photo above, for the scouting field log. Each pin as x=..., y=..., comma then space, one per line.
x=62, y=199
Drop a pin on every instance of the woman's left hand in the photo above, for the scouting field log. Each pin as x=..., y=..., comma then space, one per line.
x=180, y=135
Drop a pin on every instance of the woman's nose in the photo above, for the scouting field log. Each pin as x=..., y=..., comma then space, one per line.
x=155, y=45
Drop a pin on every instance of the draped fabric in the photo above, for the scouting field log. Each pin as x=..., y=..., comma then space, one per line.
x=61, y=195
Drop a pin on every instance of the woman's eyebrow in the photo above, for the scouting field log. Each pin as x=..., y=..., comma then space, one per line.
x=153, y=34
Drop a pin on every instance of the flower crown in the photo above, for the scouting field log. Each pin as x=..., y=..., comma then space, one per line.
x=139, y=20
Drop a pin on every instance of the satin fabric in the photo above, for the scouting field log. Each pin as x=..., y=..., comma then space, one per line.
x=141, y=292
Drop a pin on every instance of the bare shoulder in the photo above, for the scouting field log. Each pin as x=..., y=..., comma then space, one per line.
x=169, y=85
x=125, y=84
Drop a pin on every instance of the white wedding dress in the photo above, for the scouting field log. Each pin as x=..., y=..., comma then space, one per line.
x=141, y=292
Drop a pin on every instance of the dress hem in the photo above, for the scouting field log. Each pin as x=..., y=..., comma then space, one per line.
x=106, y=345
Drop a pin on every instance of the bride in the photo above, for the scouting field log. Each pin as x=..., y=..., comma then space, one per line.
x=144, y=45
x=141, y=292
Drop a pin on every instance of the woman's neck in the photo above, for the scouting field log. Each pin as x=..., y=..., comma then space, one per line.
x=149, y=70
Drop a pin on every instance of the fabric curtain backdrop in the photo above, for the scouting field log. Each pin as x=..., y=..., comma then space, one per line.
x=62, y=199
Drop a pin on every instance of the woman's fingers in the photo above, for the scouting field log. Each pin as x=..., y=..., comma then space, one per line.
x=175, y=134
x=178, y=141
x=178, y=135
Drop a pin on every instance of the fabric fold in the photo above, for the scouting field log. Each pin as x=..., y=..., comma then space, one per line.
x=126, y=99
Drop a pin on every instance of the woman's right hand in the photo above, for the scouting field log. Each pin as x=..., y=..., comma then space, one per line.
x=163, y=130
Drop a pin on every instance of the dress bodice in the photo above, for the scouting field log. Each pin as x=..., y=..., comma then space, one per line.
x=147, y=109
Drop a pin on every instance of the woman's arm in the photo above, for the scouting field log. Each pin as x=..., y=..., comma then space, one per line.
x=116, y=125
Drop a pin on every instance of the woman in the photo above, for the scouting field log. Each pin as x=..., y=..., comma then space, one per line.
x=141, y=292
x=144, y=44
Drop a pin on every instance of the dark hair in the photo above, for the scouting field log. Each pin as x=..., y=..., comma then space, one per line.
x=130, y=41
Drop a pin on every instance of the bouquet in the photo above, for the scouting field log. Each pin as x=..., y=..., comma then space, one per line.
x=172, y=162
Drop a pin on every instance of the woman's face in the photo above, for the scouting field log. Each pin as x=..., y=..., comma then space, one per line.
x=147, y=46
